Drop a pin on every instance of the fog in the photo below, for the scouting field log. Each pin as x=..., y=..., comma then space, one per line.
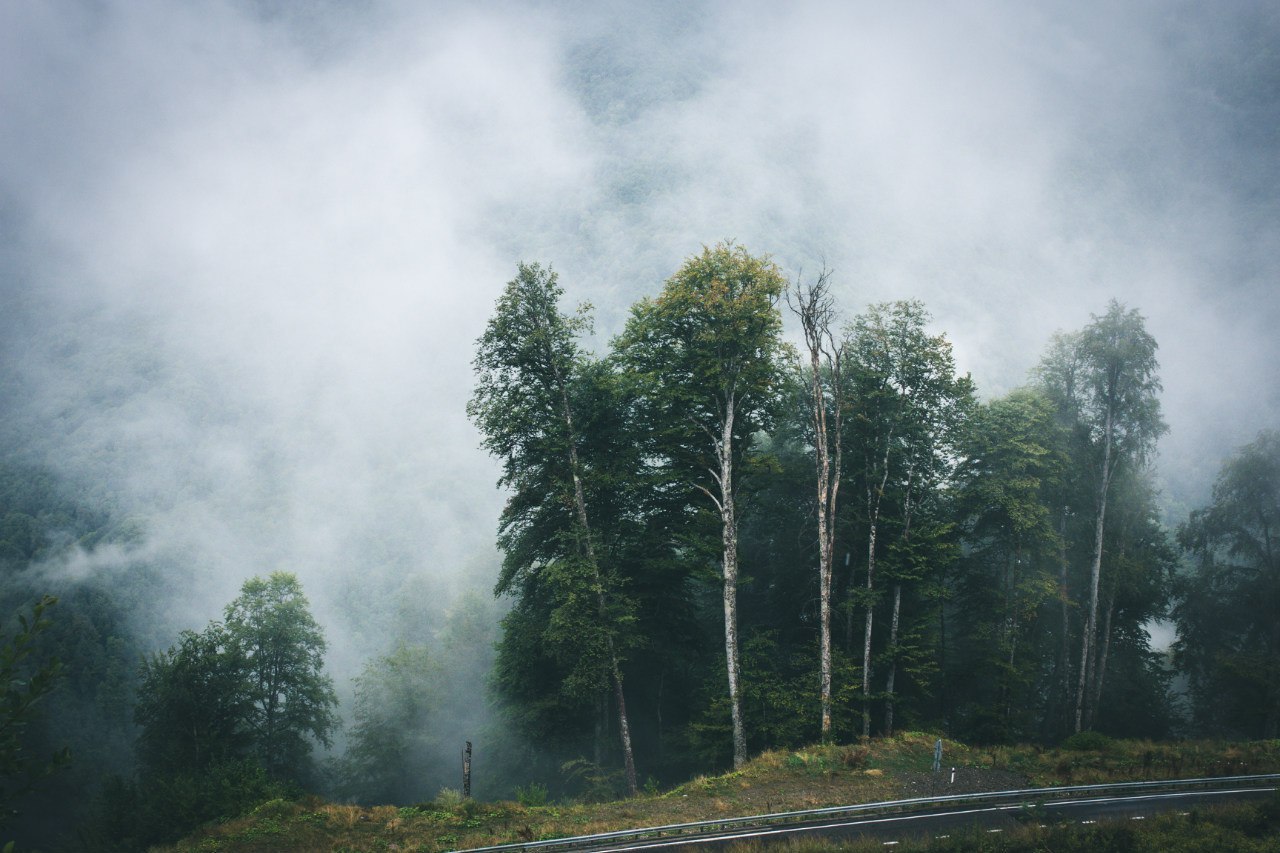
x=246, y=247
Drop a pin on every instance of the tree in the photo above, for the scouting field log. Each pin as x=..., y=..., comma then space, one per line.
x=1228, y=632
x=392, y=744
x=1113, y=391
x=529, y=369
x=1011, y=462
x=270, y=628
x=705, y=358
x=194, y=706
x=815, y=307
x=909, y=404
x=24, y=685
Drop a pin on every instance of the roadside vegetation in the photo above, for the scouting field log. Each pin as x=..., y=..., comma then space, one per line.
x=1242, y=828
x=782, y=780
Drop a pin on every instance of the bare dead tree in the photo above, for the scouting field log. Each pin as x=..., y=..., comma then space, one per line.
x=815, y=308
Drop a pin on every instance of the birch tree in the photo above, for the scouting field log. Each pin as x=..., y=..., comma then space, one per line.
x=1115, y=388
x=705, y=359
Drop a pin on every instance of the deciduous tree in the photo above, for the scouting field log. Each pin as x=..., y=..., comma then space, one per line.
x=529, y=371
x=1113, y=390
x=270, y=629
x=1228, y=629
x=705, y=357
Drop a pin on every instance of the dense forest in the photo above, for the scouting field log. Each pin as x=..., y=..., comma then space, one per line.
x=716, y=540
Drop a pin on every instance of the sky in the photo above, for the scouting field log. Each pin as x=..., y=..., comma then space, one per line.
x=246, y=247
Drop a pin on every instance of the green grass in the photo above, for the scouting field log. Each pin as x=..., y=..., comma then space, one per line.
x=780, y=780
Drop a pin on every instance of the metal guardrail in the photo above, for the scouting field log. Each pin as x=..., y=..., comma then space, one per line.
x=696, y=828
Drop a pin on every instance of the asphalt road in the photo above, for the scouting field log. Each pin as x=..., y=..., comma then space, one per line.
x=892, y=829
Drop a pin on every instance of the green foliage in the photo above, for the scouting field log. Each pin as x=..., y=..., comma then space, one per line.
x=595, y=784
x=160, y=808
x=24, y=682
x=1228, y=633
x=392, y=749
x=708, y=349
x=531, y=795
x=194, y=707
x=225, y=716
x=557, y=422
x=1011, y=465
x=1087, y=741
x=270, y=628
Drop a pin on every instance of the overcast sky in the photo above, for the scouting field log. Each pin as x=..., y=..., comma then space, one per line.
x=246, y=247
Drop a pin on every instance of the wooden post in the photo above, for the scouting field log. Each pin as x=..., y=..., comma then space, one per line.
x=466, y=772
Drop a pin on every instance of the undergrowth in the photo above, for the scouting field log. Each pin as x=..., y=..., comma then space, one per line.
x=778, y=780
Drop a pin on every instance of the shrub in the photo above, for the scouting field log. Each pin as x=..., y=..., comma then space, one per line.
x=1088, y=741
x=532, y=794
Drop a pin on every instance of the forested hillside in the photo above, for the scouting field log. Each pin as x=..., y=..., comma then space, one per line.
x=716, y=542
x=989, y=568
x=623, y=389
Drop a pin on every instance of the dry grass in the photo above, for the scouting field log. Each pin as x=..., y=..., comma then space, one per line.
x=779, y=780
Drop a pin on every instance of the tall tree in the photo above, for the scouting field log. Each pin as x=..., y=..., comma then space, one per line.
x=270, y=627
x=1059, y=376
x=909, y=403
x=1228, y=630
x=1115, y=388
x=705, y=356
x=1011, y=464
x=528, y=368
x=815, y=307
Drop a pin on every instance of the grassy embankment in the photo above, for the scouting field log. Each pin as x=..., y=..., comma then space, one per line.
x=891, y=768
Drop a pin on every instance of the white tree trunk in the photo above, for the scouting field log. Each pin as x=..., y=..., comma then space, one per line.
x=1091, y=625
x=893, y=663
x=729, y=539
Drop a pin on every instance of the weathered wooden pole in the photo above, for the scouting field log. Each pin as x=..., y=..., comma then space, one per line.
x=466, y=772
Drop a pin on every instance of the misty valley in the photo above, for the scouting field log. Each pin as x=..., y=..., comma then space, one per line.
x=754, y=520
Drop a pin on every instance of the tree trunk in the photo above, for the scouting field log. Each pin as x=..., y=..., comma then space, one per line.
x=874, y=499
x=822, y=461
x=1091, y=625
x=828, y=482
x=1102, y=661
x=816, y=312
x=893, y=662
x=866, y=644
x=897, y=607
x=597, y=746
x=729, y=539
x=624, y=726
x=1064, y=595
x=1011, y=630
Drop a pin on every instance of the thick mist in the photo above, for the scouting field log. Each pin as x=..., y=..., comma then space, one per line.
x=246, y=247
